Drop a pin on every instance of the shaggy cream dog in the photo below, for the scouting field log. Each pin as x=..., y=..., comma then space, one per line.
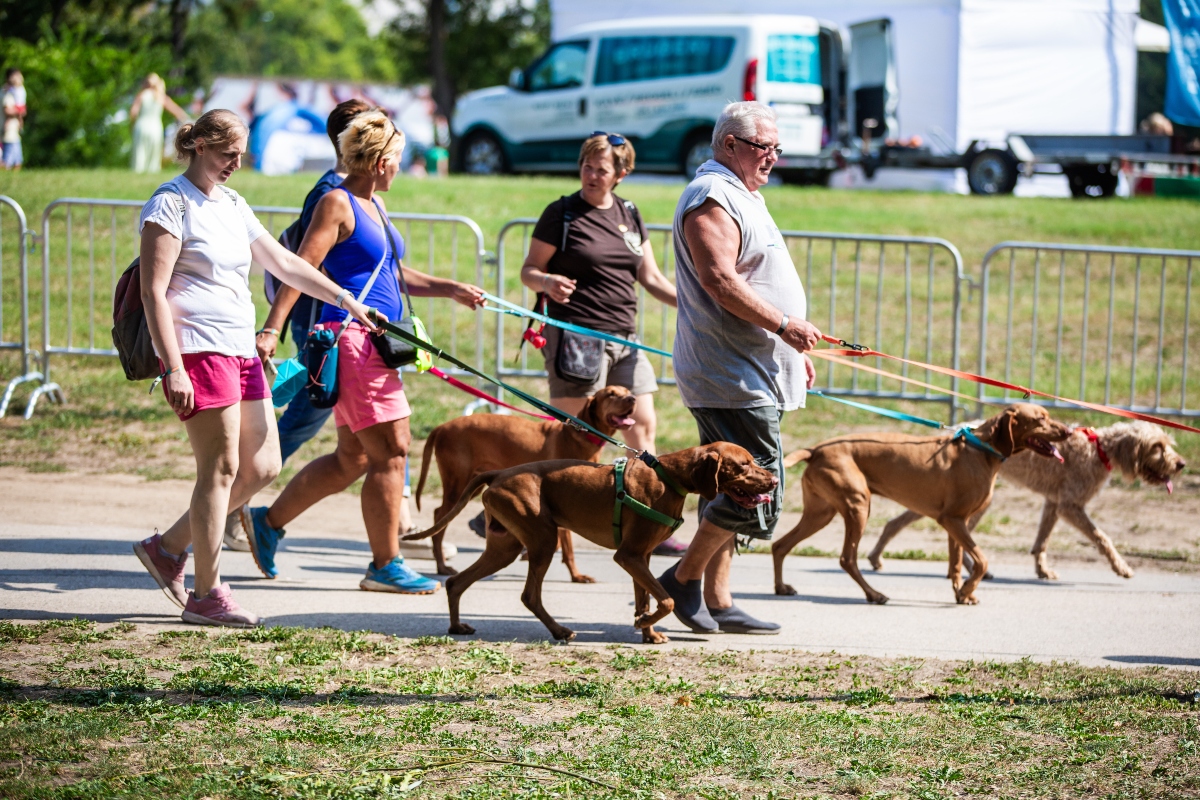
x=1140, y=450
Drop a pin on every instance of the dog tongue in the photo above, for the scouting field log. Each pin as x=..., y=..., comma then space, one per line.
x=1170, y=487
x=759, y=499
x=1054, y=452
x=623, y=422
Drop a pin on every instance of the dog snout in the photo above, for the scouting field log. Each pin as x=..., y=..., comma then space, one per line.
x=1180, y=465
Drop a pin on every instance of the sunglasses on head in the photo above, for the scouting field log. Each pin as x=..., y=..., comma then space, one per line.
x=615, y=139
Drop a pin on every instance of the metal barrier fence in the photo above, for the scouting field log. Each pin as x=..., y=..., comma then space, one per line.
x=839, y=271
x=14, y=298
x=87, y=267
x=1065, y=293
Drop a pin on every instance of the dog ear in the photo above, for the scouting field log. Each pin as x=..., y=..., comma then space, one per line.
x=1002, y=436
x=705, y=475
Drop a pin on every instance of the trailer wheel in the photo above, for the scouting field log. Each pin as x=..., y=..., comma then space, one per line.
x=697, y=148
x=1092, y=180
x=992, y=172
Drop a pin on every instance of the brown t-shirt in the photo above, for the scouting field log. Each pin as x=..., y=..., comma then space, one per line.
x=603, y=254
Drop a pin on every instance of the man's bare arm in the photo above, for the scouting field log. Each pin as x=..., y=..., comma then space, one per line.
x=714, y=240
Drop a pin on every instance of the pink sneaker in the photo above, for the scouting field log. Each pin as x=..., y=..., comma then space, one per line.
x=165, y=570
x=219, y=608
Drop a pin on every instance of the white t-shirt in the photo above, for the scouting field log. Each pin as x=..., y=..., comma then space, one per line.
x=209, y=292
x=14, y=104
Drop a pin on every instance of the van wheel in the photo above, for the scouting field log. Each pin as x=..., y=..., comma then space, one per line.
x=697, y=149
x=483, y=155
x=992, y=172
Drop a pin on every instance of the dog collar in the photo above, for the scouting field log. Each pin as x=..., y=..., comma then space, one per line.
x=1094, y=438
x=639, y=508
x=971, y=439
x=593, y=439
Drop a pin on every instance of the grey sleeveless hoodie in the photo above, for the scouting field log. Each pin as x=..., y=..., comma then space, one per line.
x=722, y=361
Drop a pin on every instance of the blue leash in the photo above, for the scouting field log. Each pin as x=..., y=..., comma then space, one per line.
x=512, y=309
x=963, y=433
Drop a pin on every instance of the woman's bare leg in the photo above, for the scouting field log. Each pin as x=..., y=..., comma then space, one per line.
x=386, y=448
x=320, y=478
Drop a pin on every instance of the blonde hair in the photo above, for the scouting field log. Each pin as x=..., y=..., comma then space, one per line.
x=622, y=154
x=215, y=128
x=369, y=137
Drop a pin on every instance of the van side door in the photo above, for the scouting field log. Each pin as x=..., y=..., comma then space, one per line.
x=549, y=118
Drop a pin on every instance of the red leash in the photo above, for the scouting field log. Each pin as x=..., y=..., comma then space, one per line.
x=482, y=395
x=861, y=351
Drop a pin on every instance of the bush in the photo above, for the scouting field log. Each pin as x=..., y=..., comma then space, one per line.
x=76, y=82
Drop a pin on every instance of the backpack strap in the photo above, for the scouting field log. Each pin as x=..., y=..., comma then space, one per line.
x=567, y=217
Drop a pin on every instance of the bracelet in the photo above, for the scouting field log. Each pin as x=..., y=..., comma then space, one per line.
x=783, y=325
x=341, y=297
x=272, y=331
x=545, y=277
x=154, y=384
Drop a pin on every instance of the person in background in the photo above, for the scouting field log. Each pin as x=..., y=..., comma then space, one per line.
x=587, y=255
x=146, y=117
x=300, y=421
x=350, y=234
x=740, y=345
x=1157, y=124
x=13, y=99
x=198, y=239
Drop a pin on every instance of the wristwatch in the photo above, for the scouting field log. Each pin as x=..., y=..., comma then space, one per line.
x=783, y=325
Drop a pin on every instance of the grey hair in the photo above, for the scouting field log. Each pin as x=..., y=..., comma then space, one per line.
x=740, y=119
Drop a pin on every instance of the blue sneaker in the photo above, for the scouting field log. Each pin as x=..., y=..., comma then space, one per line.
x=396, y=576
x=264, y=540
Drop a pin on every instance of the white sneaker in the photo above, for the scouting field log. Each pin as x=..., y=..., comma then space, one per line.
x=235, y=537
x=423, y=548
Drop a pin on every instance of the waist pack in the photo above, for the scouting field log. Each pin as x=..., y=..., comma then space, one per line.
x=579, y=357
x=321, y=357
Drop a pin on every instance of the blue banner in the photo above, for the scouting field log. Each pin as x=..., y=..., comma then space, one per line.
x=1183, y=63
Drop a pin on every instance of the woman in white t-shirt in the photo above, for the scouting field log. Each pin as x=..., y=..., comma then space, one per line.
x=198, y=240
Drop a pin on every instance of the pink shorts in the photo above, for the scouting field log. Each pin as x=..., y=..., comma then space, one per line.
x=369, y=392
x=219, y=380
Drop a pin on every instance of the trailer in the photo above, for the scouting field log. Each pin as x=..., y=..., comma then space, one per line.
x=999, y=88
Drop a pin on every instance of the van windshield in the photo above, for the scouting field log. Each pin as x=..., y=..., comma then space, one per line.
x=560, y=68
x=793, y=58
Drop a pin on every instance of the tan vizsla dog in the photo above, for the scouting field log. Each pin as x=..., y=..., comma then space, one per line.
x=467, y=446
x=1140, y=450
x=939, y=477
x=526, y=505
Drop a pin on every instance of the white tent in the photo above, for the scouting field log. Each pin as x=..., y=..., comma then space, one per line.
x=967, y=69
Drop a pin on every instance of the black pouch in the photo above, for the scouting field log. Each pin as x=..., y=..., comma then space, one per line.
x=394, y=352
x=579, y=358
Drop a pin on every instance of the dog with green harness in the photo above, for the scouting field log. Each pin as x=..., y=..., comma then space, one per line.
x=631, y=506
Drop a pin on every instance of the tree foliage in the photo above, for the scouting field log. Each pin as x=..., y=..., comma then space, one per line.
x=482, y=39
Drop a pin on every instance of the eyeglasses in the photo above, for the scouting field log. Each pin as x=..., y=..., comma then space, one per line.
x=615, y=139
x=764, y=147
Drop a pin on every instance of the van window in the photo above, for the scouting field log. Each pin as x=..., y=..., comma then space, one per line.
x=793, y=58
x=642, y=58
x=560, y=68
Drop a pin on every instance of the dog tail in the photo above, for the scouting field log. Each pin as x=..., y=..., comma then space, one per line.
x=426, y=460
x=794, y=458
x=473, y=488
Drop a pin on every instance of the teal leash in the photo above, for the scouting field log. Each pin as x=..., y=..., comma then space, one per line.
x=502, y=306
x=965, y=434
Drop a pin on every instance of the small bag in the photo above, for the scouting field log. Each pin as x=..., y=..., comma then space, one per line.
x=394, y=352
x=321, y=355
x=579, y=358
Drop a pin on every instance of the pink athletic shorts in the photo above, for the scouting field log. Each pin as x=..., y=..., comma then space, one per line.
x=219, y=380
x=369, y=392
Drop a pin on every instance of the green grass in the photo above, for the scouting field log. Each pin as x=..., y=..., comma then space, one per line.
x=97, y=711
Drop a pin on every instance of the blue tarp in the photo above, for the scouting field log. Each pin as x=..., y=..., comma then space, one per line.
x=1183, y=63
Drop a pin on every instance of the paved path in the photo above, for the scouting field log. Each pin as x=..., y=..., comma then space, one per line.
x=66, y=552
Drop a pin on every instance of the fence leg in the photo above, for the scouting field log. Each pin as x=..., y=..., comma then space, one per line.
x=51, y=390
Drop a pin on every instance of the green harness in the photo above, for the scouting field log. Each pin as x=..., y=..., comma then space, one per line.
x=640, y=508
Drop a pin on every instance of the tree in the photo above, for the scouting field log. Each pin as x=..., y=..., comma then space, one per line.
x=460, y=45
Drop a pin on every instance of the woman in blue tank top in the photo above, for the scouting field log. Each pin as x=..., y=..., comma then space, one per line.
x=347, y=237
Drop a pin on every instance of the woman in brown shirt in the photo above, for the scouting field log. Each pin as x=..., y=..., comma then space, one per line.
x=587, y=253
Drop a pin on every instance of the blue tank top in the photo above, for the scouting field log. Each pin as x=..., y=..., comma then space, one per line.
x=350, y=264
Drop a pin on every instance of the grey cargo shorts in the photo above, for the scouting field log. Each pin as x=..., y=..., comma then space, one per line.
x=757, y=430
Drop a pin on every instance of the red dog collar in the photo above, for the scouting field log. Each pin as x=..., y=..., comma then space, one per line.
x=1094, y=438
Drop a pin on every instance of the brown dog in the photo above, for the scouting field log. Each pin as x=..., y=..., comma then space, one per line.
x=945, y=479
x=526, y=506
x=467, y=446
x=1140, y=450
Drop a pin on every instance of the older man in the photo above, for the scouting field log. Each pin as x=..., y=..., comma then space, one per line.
x=739, y=349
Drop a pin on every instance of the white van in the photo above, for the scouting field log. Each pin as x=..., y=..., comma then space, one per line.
x=661, y=82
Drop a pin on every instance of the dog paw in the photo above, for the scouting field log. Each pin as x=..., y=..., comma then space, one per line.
x=784, y=589
x=1047, y=574
x=563, y=634
x=988, y=576
x=877, y=599
x=579, y=577
x=1123, y=570
x=446, y=570
x=461, y=629
x=968, y=600
x=876, y=562
x=651, y=636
